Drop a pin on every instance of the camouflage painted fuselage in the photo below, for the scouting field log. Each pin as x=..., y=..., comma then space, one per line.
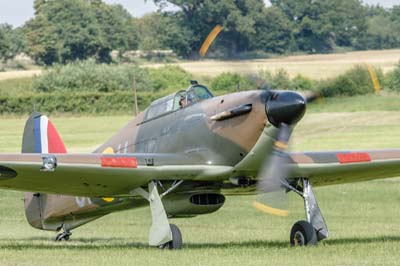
x=190, y=132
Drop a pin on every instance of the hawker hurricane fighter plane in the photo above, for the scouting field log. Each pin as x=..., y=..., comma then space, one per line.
x=180, y=156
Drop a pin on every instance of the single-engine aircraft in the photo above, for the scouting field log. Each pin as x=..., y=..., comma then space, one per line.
x=180, y=156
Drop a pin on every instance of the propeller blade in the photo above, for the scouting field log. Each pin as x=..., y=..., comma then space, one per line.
x=209, y=40
x=270, y=210
x=312, y=96
x=273, y=174
x=284, y=109
x=275, y=169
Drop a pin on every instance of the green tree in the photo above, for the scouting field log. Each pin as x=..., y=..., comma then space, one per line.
x=37, y=5
x=4, y=42
x=383, y=29
x=68, y=30
x=273, y=32
x=116, y=29
x=319, y=25
x=151, y=28
x=164, y=31
x=348, y=19
x=395, y=19
x=238, y=18
x=12, y=42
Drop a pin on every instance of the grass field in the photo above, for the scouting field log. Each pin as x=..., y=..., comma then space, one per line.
x=385, y=101
x=363, y=218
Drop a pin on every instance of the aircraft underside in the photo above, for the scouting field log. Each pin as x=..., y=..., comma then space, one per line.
x=174, y=199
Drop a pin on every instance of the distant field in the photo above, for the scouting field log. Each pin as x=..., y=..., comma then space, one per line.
x=363, y=218
x=19, y=74
x=313, y=66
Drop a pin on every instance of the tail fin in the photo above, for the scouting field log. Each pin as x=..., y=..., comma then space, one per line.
x=40, y=136
x=49, y=211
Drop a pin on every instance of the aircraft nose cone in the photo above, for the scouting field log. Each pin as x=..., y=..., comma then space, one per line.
x=285, y=107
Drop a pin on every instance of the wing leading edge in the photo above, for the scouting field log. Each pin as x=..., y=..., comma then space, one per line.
x=98, y=175
x=337, y=167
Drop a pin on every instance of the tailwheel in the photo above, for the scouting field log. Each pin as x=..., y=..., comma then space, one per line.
x=63, y=236
x=303, y=234
x=176, y=242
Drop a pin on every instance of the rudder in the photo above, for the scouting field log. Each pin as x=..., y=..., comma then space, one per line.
x=40, y=136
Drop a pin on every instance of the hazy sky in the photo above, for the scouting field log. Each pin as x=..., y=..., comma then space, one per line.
x=16, y=12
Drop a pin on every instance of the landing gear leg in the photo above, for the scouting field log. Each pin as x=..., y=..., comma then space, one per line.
x=314, y=229
x=162, y=234
x=64, y=235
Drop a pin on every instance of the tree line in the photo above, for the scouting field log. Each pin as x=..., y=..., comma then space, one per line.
x=69, y=30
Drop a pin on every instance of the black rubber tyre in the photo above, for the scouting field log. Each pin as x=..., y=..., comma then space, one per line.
x=62, y=237
x=176, y=242
x=303, y=234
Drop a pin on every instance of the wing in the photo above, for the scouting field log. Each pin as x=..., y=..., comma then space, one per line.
x=97, y=175
x=336, y=167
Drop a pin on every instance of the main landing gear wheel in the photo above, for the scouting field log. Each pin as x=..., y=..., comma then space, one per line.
x=176, y=242
x=303, y=234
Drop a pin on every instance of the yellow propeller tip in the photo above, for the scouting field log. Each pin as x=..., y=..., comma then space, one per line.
x=281, y=145
x=274, y=211
x=209, y=40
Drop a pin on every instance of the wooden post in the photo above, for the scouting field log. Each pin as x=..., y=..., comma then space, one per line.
x=135, y=96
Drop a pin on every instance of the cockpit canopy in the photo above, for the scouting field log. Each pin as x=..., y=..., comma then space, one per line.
x=178, y=100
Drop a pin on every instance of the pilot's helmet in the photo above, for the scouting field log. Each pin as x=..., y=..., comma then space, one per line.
x=190, y=98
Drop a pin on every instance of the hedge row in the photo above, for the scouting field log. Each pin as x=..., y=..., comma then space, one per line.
x=87, y=102
x=356, y=81
x=90, y=76
x=85, y=87
x=392, y=79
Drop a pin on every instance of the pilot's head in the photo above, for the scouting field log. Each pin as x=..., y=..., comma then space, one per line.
x=182, y=102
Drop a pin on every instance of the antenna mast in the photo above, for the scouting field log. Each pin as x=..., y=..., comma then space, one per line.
x=135, y=96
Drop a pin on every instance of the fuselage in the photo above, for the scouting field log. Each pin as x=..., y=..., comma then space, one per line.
x=189, y=131
x=192, y=132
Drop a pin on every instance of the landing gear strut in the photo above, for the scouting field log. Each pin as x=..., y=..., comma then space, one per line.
x=162, y=233
x=64, y=235
x=314, y=229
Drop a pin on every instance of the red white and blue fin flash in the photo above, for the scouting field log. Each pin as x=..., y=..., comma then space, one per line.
x=47, y=139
